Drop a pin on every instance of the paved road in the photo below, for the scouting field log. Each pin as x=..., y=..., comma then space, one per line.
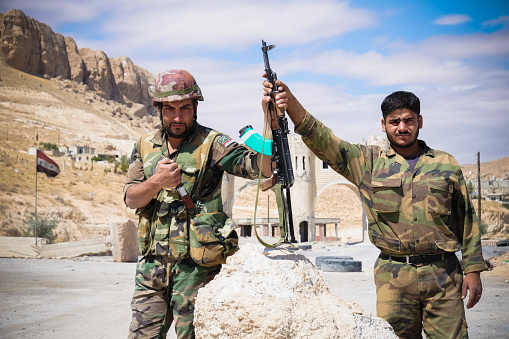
x=90, y=299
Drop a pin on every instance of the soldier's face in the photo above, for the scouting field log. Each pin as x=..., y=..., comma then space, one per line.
x=178, y=117
x=402, y=127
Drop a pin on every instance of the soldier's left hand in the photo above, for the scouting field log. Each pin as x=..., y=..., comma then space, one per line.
x=472, y=283
x=281, y=98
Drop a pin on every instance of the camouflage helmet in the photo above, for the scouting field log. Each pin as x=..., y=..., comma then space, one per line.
x=176, y=85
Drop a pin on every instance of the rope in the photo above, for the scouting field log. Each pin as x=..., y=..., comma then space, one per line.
x=279, y=200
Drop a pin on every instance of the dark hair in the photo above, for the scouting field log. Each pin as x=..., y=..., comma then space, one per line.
x=401, y=99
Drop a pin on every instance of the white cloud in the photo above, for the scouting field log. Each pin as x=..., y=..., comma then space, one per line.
x=56, y=12
x=228, y=24
x=452, y=19
x=502, y=20
x=382, y=70
x=494, y=44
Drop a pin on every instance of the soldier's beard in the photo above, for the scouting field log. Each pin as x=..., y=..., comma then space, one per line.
x=398, y=144
x=185, y=133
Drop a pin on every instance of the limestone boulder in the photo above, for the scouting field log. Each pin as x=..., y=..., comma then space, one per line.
x=76, y=65
x=278, y=295
x=98, y=75
x=127, y=79
x=124, y=237
x=31, y=46
x=138, y=111
x=19, y=42
x=54, y=59
x=147, y=82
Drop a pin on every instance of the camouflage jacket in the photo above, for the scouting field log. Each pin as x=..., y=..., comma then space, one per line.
x=424, y=211
x=163, y=222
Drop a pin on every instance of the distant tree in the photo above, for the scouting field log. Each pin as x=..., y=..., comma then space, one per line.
x=470, y=187
x=46, y=225
x=483, y=227
x=124, y=163
x=48, y=146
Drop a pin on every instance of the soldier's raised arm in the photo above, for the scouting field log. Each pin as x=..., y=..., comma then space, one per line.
x=286, y=101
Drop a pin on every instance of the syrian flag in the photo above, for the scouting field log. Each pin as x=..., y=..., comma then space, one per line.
x=46, y=165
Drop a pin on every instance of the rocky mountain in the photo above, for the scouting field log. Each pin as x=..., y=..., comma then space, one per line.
x=52, y=92
x=32, y=47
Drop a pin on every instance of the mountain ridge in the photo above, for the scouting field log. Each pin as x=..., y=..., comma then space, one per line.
x=32, y=47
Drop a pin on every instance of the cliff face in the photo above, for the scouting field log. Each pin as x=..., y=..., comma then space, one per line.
x=33, y=47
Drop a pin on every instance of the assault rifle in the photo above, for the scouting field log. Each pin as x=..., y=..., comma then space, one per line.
x=283, y=173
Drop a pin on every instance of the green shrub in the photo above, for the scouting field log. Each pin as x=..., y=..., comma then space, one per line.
x=483, y=227
x=124, y=163
x=46, y=224
x=48, y=146
x=470, y=187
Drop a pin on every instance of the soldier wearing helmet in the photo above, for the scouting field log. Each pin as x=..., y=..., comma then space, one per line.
x=174, y=183
x=173, y=86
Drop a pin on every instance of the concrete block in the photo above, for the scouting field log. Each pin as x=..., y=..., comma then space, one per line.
x=124, y=238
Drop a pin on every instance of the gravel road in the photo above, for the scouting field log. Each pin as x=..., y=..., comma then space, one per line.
x=90, y=297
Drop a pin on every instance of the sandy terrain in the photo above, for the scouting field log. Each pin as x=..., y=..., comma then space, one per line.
x=90, y=299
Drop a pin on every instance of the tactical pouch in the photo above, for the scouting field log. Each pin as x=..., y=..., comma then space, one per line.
x=146, y=215
x=210, y=243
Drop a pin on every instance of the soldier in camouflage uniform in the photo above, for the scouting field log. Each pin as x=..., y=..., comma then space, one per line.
x=419, y=215
x=174, y=183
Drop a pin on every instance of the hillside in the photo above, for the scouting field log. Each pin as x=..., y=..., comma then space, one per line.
x=498, y=168
x=63, y=113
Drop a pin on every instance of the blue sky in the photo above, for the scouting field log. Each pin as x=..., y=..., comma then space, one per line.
x=339, y=58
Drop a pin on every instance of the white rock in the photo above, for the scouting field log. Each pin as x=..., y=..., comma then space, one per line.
x=278, y=294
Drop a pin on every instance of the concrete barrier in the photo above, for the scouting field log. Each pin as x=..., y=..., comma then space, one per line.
x=19, y=247
x=76, y=248
x=122, y=244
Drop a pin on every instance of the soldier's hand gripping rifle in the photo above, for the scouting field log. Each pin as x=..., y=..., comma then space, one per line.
x=282, y=176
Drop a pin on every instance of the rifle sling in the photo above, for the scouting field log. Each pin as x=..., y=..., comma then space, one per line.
x=280, y=203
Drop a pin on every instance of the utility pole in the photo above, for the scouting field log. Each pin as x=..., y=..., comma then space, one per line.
x=479, y=186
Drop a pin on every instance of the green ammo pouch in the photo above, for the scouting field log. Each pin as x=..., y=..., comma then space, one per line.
x=210, y=243
x=146, y=216
x=212, y=236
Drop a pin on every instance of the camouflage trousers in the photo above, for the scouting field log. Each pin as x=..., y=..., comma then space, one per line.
x=165, y=291
x=413, y=298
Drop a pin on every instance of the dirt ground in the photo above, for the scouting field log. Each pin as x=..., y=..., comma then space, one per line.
x=90, y=297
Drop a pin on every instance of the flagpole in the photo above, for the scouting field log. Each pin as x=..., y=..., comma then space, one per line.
x=35, y=226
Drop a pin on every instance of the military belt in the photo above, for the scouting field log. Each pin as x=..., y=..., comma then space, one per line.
x=417, y=259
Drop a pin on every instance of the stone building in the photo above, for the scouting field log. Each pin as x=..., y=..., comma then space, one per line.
x=492, y=189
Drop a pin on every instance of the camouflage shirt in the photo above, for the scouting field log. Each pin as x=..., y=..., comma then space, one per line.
x=163, y=222
x=422, y=211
